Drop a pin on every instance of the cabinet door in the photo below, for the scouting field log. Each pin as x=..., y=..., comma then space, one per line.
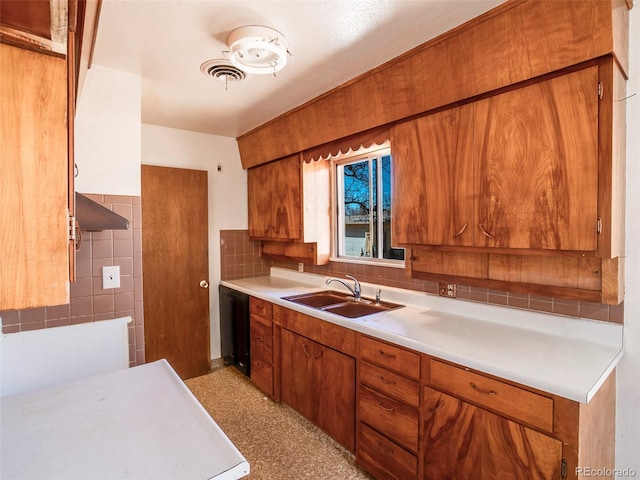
x=537, y=165
x=335, y=378
x=297, y=372
x=275, y=200
x=433, y=186
x=34, y=222
x=319, y=383
x=466, y=442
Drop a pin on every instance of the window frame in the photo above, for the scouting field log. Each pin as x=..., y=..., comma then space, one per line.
x=337, y=224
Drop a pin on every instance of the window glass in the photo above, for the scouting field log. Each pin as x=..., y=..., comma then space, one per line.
x=363, y=187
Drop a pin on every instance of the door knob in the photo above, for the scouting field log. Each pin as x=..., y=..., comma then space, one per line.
x=204, y=284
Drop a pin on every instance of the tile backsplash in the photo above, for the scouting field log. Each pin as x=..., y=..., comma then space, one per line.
x=89, y=301
x=240, y=257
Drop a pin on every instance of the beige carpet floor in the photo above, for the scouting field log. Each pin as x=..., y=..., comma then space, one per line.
x=278, y=443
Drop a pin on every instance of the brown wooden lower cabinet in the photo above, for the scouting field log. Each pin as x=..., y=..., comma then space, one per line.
x=463, y=441
x=422, y=418
x=261, y=342
x=319, y=382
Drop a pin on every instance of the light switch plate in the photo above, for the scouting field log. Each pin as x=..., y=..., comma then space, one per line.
x=111, y=277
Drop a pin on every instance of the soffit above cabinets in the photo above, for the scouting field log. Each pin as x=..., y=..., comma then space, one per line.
x=36, y=24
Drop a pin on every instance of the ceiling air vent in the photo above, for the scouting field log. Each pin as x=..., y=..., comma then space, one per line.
x=222, y=70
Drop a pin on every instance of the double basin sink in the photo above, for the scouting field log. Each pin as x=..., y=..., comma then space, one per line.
x=341, y=303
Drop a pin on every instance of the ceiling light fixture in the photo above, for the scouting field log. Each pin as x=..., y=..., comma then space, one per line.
x=258, y=49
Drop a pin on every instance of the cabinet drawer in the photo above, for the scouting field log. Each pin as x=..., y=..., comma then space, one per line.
x=262, y=376
x=260, y=307
x=392, y=384
x=395, y=419
x=261, y=335
x=517, y=403
x=394, y=358
x=334, y=336
x=383, y=458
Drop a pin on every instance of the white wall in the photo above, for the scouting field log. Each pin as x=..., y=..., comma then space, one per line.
x=107, y=133
x=628, y=411
x=169, y=147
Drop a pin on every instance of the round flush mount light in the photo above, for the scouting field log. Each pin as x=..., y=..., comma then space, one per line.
x=258, y=49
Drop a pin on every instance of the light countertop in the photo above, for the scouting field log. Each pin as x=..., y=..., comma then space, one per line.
x=565, y=356
x=138, y=423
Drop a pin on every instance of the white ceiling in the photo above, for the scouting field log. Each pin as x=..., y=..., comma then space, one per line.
x=331, y=41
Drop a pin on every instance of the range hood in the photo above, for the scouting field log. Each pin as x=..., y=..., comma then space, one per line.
x=92, y=216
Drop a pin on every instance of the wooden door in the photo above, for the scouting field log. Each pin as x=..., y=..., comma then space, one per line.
x=537, y=154
x=433, y=186
x=275, y=200
x=174, y=262
x=464, y=442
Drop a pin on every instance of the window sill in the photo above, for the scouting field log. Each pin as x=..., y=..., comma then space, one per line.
x=375, y=262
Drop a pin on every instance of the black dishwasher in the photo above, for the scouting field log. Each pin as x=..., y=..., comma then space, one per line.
x=234, y=328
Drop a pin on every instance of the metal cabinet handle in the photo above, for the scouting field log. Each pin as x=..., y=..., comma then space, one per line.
x=464, y=227
x=481, y=390
x=386, y=409
x=386, y=355
x=385, y=381
x=484, y=232
x=306, y=352
x=204, y=284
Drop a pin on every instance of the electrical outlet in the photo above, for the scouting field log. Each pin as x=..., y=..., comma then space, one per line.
x=300, y=267
x=110, y=277
x=447, y=290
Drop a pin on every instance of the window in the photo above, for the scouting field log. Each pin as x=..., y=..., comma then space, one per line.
x=363, y=193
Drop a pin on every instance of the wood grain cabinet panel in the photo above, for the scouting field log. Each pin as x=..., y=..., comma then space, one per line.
x=522, y=405
x=466, y=442
x=319, y=383
x=34, y=180
x=384, y=459
x=274, y=200
x=390, y=383
x=517, y=170
x=388, y=409
x=289, y=209
x=390, y=356
x=389, y=416
x=261, y=345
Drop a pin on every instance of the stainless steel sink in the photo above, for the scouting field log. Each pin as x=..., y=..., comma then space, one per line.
x=341, y=303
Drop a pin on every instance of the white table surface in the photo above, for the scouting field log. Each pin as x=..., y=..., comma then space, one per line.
x=566, y=356
x=137, y=423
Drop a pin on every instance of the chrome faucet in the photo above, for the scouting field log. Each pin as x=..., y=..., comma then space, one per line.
x=356, y=285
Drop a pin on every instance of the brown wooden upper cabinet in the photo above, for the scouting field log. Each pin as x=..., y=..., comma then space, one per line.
x=34, y=180
x=289, y=209
x=517, y=170
x=274, y=200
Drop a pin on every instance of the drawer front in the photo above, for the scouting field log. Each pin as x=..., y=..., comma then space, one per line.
x=260, y=307
x=522, y=405
x=390, y=383
x=334, y=336
x=384, y=459
x=262, y=375
x=261, y=338
x=391, y=417
x=389, y=356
